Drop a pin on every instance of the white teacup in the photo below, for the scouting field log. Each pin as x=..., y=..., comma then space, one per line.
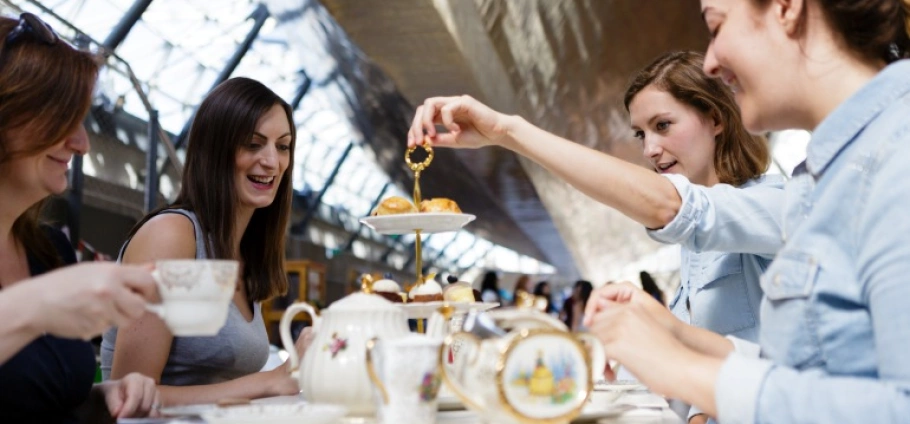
x=405, y=374
x=195, y=294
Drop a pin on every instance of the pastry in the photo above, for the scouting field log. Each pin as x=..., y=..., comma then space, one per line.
x=394, y=205
x=388, y=289
x=458, y=292
x=439, y=204
x=429, y=291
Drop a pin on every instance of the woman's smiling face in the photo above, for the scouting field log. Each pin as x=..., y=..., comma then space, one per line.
x=676, y=138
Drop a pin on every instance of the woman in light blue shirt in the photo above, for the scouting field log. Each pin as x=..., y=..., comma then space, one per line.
x=728, y=221
x=704, y=182
x=835, y=331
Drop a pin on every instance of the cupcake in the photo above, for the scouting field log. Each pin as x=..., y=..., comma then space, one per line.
x=429, y=291
x=388, y=289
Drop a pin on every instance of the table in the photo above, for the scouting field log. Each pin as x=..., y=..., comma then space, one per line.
x=643, y=407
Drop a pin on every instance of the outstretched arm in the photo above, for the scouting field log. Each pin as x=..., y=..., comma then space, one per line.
x=639, y=193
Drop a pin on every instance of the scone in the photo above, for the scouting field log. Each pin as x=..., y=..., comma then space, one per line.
x=458, y=292
x=388, y=289
x=394, y=205
x=439, y=204
x=429, y=291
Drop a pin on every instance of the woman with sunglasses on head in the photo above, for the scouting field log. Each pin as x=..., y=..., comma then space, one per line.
x=234, y=203
x=834, y=336
x=47, y=367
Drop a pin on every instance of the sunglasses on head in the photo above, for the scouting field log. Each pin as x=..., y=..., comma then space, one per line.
x=31, y=24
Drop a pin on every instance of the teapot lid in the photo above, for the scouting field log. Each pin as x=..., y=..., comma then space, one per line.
x=363, y=302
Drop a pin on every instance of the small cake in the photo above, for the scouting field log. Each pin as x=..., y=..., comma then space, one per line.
x=429, y=291
x=388, y=289
x=458, y=292
x=439, y=204
x=394, y=205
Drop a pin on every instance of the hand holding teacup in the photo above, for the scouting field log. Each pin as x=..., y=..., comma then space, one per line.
x=195, y=294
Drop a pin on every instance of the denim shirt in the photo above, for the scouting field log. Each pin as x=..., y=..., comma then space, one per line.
x=719, y=285
x=835, y=332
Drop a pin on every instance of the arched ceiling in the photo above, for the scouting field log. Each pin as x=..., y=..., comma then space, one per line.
x=563, y=65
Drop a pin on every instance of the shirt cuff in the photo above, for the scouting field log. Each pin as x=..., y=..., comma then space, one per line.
x=745, y=347
x=738, y=386
x=681, y=224
x=693, y=411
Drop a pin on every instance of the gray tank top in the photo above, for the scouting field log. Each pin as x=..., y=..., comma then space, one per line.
x=239, y=349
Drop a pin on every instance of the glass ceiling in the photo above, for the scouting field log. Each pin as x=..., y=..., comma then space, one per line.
x=178, y=48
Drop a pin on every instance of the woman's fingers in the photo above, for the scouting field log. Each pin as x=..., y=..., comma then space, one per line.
x=415, y=135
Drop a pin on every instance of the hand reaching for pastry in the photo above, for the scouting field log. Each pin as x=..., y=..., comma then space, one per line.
x=471, y=124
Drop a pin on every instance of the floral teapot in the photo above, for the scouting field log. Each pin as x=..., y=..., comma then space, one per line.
x=333, y=369
x=521, y=365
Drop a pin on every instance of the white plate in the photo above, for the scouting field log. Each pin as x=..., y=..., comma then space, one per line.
x=428, y=222
x=592, y=413
x=419, y=310
x=619, y=385
x=276, y=414
x=279, y=400
x=185, y=410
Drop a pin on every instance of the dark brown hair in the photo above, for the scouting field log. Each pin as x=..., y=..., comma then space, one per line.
x=224, y=123
x=738, y=155
x=45, y=93
x=874, y=29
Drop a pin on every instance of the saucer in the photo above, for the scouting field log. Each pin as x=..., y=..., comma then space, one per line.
x=592, y=413
x=426, y=222
x=276, y=413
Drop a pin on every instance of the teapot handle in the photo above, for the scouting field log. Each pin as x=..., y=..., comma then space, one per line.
x=452, y=381
x=598, y=356
x=371, y=371
x=284, y=328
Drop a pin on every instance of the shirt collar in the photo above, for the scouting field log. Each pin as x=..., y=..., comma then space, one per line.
x=840, y=127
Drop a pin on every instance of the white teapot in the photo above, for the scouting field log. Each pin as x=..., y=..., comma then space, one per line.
x=537, y=371
x=333, y=369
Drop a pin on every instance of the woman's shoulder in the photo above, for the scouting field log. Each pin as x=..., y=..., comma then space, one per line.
x=766, y=181
x=166, y=235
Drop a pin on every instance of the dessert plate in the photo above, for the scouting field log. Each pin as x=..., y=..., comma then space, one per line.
x=428, y=222
x=420, y=310
x=275, y=413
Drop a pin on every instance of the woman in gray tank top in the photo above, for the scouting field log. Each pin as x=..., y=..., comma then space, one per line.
x=234, y=203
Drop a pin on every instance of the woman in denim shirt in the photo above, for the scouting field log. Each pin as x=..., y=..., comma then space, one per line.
x=711, y=182
x=835, y=331
x=690, y=129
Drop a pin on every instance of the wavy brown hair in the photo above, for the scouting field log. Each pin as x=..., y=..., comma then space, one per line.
x=45, y=93
x=874, y=29
x=224, y=123
x=738, y=155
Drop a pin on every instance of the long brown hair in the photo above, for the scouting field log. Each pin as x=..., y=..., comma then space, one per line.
x=45, y=93
x=873, y=29
x=225, y=121
x=738, y=155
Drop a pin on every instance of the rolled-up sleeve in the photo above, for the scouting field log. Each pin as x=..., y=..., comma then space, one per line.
x=724, y=218
x=751, y=390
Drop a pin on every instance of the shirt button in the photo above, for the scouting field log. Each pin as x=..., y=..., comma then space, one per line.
x=777, y=280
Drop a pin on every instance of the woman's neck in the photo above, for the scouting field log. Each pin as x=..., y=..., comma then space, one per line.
x=13, y=206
